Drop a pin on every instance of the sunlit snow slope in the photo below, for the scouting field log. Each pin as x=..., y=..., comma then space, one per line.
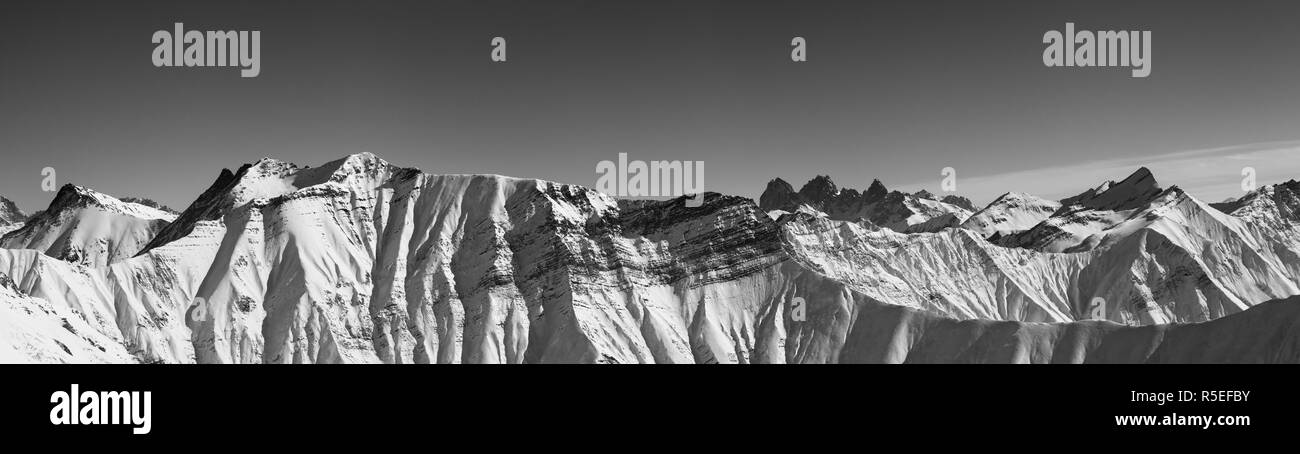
x=84, y=226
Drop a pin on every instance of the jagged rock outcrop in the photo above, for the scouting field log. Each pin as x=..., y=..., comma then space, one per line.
x=779, y=196
x=959, y=201
x=151, y=204
x=899, y=211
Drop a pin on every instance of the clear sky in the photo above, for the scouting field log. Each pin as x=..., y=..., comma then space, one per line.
x=891, y=90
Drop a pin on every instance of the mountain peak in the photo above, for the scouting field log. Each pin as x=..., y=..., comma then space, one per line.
x=1134, y=191
x=959, y=201
x=269, y=167
x=73, y=197
x=779, y=195
x=87, y=227
x=362, y=156
x=876, y=191
x=1140, y=177
x=364, y=163
x=819, y=189
x=9, y=212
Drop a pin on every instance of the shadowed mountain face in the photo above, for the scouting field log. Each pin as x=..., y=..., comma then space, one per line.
x=361, y=261
x=959, y=201
x=779, y=195
x=1133, y=192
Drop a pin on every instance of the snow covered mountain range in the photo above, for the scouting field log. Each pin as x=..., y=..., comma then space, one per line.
x=362, y=261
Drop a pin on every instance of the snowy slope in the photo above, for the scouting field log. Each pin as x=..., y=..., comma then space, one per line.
x=1099, y=215
x=87, y=227
x=1010, y=213
x=139, y=303
x=1276, y=207
x=1182, y=262
x=34, y=331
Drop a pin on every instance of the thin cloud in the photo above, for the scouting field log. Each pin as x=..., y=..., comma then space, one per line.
x=1211, y=175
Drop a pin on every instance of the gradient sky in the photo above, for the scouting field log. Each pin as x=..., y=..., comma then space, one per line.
x=892, y=90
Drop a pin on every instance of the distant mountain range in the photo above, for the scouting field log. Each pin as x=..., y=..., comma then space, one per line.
x=362, y=261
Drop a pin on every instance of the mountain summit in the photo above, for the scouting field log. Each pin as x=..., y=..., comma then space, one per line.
x=1135, y=191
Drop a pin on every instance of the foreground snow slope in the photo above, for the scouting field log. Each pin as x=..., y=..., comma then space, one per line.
x=32, y=330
